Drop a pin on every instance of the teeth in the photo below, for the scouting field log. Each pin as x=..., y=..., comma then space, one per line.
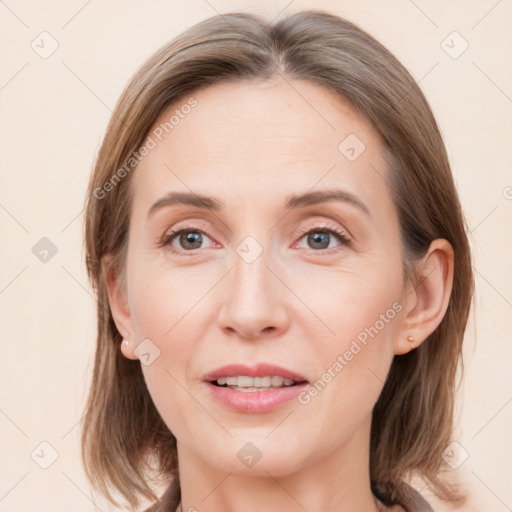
x=277, y=381
x=244, y=381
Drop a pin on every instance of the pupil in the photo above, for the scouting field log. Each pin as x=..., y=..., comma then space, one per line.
x=316, y=238
x=191, y=237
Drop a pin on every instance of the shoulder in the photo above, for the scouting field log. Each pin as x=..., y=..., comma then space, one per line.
x=169, y=500
x=410, y=500
x=415, y=502
x=403, y=498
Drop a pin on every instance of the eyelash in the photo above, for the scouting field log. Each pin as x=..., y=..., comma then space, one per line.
x=168, y=237
x=332, y=230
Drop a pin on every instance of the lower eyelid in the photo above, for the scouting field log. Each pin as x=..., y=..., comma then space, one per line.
x=344, y=241
x=168, y=238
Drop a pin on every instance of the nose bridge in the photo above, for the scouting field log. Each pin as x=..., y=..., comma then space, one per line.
x=254, y=300
x=251, y=275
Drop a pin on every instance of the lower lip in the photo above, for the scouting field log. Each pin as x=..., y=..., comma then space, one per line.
x=255, y=401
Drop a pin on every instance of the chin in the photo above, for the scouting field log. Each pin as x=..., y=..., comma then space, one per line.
x=256, y=456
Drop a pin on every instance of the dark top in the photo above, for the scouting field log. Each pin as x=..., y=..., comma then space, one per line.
x=411, y=500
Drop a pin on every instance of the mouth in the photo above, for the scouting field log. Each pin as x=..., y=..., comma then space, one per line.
x=258, y=389
x=263, y=375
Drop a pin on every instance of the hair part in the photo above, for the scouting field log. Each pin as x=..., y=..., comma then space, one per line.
x=413, y=417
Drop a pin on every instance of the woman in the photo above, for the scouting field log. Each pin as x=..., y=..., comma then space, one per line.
x=283, y=276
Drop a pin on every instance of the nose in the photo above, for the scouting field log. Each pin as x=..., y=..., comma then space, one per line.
x=254, y=305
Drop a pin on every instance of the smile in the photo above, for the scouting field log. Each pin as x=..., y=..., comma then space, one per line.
x=245, y=383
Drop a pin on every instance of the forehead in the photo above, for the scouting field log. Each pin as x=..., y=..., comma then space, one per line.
x=253, y=138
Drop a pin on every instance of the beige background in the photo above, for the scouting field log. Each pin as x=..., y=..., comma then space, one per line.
x=54, y=112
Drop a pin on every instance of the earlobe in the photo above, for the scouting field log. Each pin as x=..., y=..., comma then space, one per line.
x=127, y=348
x=405, y=345
x=427, y=301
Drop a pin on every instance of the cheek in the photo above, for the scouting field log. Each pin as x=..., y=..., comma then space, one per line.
x=164, y=299
x=169, y=308
x=352, y=365
x=344, y=303
x=163, y=312
x=357, y=315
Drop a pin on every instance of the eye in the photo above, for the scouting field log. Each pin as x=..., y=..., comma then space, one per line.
x=188, y=238
x=321, y=237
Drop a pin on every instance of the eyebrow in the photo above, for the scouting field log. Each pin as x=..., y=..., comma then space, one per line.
x=291, y=202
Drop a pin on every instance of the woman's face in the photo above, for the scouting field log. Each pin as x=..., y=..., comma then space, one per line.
x=262, y=277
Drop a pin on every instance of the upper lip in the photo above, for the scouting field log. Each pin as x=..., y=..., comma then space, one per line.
x=260, y=370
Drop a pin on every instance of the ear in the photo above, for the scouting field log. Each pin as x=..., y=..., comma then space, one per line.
x=117, y=297
x=426, y=302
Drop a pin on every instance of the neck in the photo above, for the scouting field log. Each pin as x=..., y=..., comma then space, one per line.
x=336, y=482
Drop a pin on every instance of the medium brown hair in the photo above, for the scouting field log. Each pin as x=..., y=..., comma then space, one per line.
x=124, y=437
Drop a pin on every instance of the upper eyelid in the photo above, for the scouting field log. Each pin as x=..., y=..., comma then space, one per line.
x=325, y=225
x=318, y=224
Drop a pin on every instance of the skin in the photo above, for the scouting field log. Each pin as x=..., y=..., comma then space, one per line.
x=250, y=144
